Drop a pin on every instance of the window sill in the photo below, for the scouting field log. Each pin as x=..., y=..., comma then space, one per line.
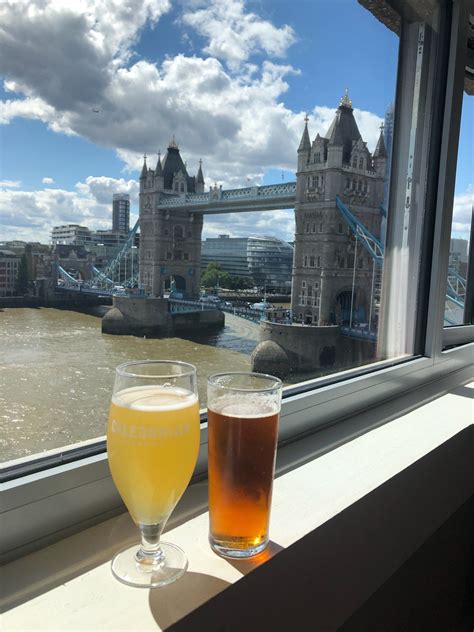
x=69, y=586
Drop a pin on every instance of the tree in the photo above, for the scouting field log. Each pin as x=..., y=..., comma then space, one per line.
x=22, y=278
x=214, y=275
x=241, y=283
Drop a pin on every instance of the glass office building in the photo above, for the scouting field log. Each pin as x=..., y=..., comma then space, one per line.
x=267, y=260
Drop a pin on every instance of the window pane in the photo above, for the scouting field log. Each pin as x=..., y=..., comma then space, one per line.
x=305, y=231
x=455, y=306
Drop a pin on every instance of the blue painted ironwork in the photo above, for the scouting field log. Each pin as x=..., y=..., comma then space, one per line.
x=275, y=191
x=100, y=275
x=456, y=284
x=114, y=264
x=66, y=278
x=373, y=246
x=181, y=305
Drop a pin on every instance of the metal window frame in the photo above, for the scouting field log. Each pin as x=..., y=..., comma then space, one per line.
x=440, y=337
x=48, y=504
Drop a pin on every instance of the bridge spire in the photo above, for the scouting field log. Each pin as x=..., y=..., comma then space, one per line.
x=144, y=168
x=345, y=100
x=159, y=168
x=305, y=143
x=380, y=151
x=173, y=144
x=200, y=177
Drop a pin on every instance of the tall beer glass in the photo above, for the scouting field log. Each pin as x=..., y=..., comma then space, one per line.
x=243, y=413
x=152, y=445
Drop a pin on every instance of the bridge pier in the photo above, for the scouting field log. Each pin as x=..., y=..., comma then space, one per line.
x=150, y=317
x=309, y=349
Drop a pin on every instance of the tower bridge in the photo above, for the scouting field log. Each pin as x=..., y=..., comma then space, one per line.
x=338, y=204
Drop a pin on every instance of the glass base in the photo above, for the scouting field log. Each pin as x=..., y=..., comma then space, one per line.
x=169, y=567
x=237, y=553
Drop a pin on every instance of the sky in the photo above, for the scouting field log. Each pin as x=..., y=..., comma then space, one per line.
x=89, y=86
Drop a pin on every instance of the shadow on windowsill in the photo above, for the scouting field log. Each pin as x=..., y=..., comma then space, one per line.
x=86, y=549
x=171, y=603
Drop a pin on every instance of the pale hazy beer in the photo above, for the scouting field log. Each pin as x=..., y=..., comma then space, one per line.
x=152, y=443
x=242, y=435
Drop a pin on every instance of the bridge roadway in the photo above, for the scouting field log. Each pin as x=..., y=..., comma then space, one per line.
x=249, y=199
x=175, y=305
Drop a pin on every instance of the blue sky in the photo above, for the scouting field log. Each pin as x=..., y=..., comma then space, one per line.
x=232, y=80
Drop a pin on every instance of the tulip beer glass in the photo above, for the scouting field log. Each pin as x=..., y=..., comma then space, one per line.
x=152, y=445
x=243, y=413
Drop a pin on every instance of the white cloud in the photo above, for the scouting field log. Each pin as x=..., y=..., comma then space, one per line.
x=87, y=82
x=86, y=41
x=9, y=184
x=463, y=211
x=47, y=181
x=234, y=34
x=31, y=215
x=102, y=188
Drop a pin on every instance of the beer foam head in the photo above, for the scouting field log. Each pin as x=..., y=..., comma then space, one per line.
x=255, y=405
x=154, y=398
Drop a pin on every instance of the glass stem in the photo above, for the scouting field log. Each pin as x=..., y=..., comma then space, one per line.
x=150, y=553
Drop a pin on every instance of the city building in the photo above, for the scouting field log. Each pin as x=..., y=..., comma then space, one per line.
x=267, y=260
x=109, y=238
x=458, y=250
x=121, y=213
x=169, y=235
x=75, y=235
x=9, y=263
x=70, y=234
x=334, y=281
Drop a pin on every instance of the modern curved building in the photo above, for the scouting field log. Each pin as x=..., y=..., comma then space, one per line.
x=267, y=260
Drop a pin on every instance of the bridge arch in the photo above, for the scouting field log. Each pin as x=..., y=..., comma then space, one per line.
x=347, y=301
x=176, y=283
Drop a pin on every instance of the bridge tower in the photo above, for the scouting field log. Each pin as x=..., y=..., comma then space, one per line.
x=331, y=274
x=170, y=239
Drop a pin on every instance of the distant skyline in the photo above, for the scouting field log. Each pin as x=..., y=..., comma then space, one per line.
x=231, y=80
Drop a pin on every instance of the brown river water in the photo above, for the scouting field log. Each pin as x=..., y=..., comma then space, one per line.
x=57, y=372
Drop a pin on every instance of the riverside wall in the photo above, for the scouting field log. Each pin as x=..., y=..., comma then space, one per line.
x=79, y=303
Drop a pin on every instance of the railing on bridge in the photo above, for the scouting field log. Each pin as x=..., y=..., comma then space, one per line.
x=182, y=305
x=285, y=189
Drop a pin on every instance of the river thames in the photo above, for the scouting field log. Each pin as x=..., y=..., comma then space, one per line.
x=57, y=372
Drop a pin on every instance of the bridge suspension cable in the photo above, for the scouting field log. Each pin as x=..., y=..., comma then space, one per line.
x=456, y=284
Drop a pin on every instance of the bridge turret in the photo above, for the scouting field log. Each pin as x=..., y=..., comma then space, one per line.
x=380, y=154
x=159, y=178
x=304, y=148
x=342, y=134
x=144, y=172
x=200, y=179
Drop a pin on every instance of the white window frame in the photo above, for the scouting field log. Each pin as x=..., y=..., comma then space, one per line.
x=66, y=494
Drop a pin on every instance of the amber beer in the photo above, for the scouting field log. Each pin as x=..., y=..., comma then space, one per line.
x=242, y=439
